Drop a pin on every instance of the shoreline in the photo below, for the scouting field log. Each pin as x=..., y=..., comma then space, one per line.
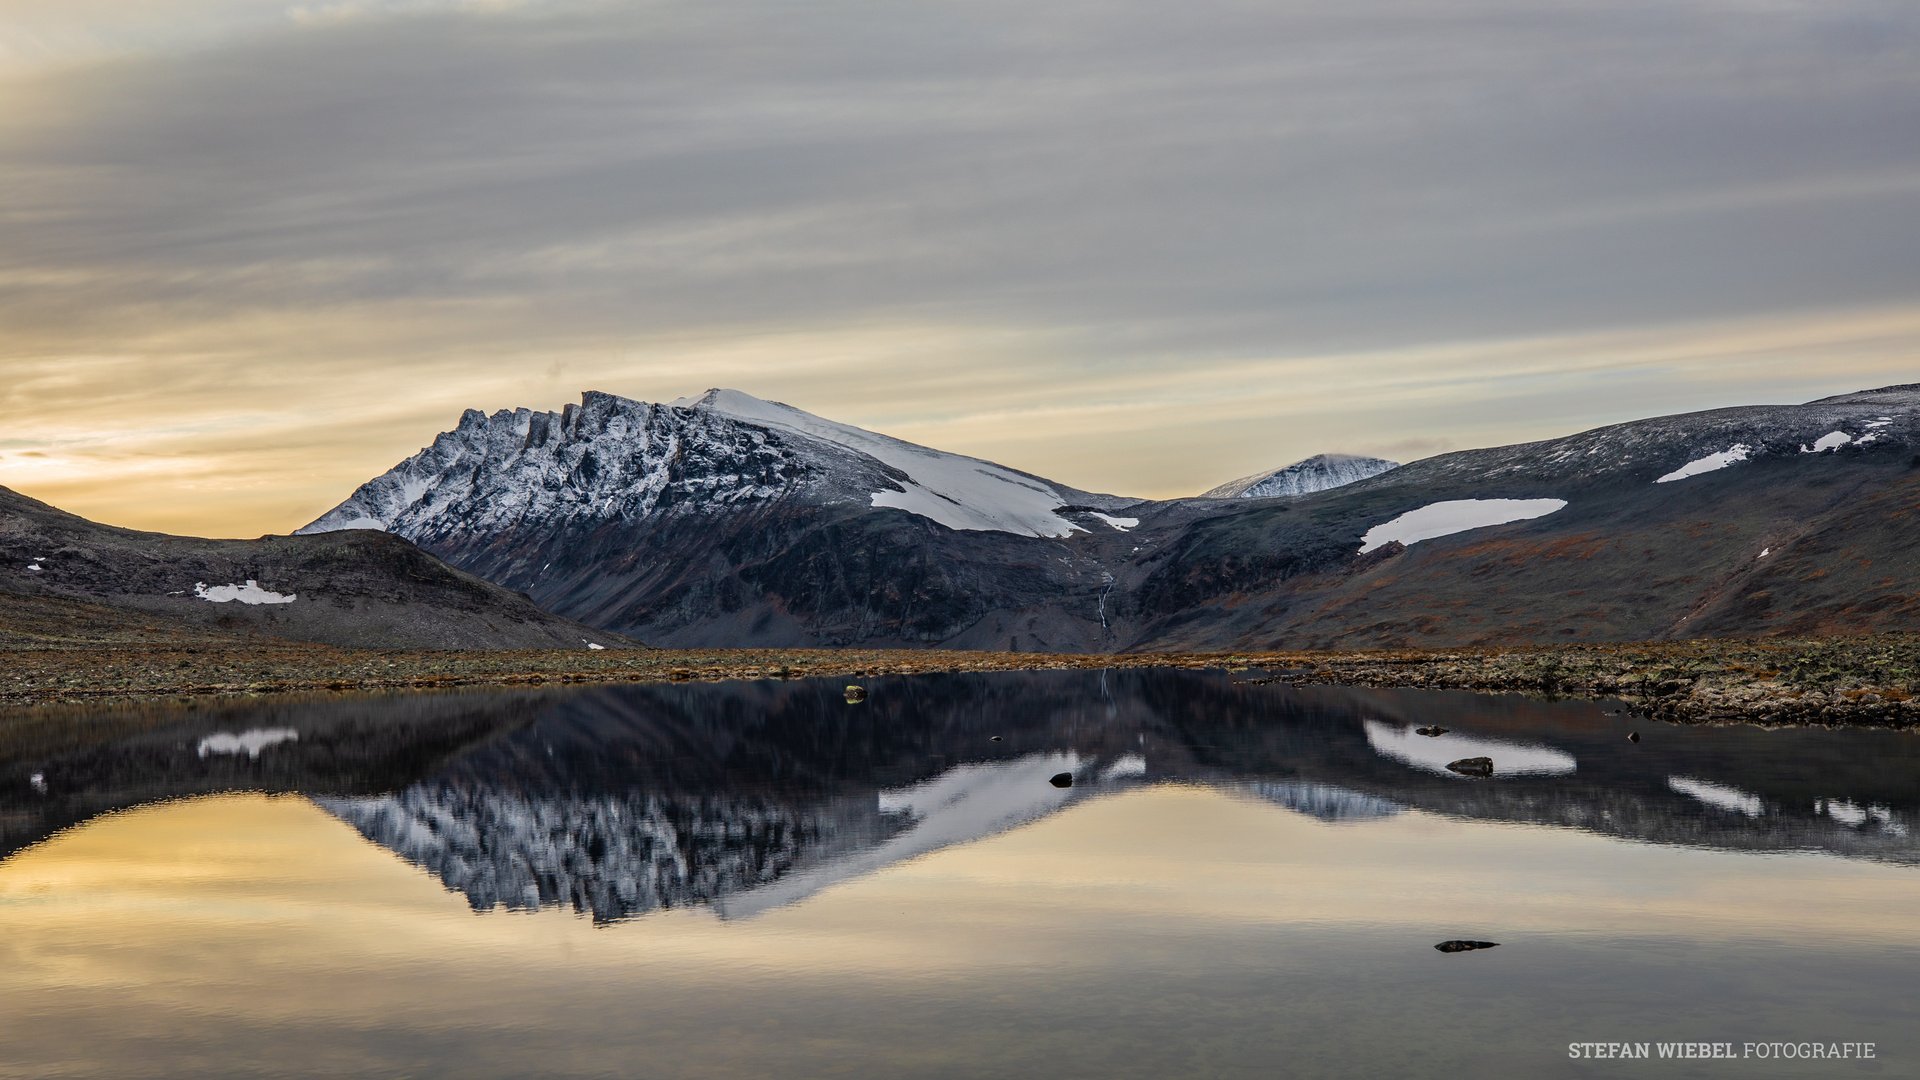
x=1865, y=681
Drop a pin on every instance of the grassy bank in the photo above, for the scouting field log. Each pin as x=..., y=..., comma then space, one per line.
x=1865, y=680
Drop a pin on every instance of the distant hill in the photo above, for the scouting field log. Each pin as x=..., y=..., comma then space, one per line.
x=64, y=578
x=727, y=520
x=1320, y=472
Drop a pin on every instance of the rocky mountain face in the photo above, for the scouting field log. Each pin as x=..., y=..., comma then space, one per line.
x=726, y=520
x=353, y=588
x=729, y=520
x=1321, y=472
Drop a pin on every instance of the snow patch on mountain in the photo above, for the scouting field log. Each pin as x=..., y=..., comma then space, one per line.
x=1318, y=473
x=1736, y=453
x=1120, y=523
x=1832, y=440
x=957, y=491
x=250, y=593
x=1455, y=516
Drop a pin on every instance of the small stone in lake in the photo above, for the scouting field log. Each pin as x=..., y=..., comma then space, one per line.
x=1466, y=946
x=1432, y=732
x=856, y=694
x=996, y=738
x=1472, y=766
x=1633, y=736
x=1064, y=779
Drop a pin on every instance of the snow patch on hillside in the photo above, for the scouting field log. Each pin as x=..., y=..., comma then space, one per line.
x=1737, y=453
x=250, y=593
x=1832, y=440
x=956, y=491
x=1455, y=516
x=1123, y=524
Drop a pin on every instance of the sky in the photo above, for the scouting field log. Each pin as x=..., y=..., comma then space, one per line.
x=254, y=253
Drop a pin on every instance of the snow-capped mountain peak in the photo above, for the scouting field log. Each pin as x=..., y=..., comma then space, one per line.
x=1317, y=473
x=957, y=491
x=611, y=458
x=603, y=459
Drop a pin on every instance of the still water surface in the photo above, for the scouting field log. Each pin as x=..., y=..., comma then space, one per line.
x=759, y=879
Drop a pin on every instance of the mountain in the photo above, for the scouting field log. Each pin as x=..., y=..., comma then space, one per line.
x=727, y=520
x=1317, y=473
x=1790, y=519
x=59, y=571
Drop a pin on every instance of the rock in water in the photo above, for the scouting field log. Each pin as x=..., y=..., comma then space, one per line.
x=996, y=738
x=1064, y=779
x=1633, y=736
x=1472, y=766
x=1432, y=732
x=856, y=694
x=1465, y=946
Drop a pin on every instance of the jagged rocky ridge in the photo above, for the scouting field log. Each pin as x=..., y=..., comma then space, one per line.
x=726, y=520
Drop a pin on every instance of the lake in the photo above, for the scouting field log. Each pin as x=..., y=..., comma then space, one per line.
x=761, y=879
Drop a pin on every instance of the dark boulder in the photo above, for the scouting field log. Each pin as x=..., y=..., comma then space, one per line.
x=1465, y=946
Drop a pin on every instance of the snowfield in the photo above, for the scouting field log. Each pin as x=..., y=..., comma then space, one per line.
x=250, y=593
x=956, y=491
x=1738, y=452
x=1455, y=516
x=1832, y=440
x=1120, y=523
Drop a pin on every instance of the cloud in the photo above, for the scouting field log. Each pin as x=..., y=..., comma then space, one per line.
x=1096, y=239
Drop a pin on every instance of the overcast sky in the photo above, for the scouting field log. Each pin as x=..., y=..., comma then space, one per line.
x=253, y=253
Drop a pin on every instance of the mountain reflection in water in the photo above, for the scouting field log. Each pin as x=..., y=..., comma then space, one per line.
x=744, y=796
